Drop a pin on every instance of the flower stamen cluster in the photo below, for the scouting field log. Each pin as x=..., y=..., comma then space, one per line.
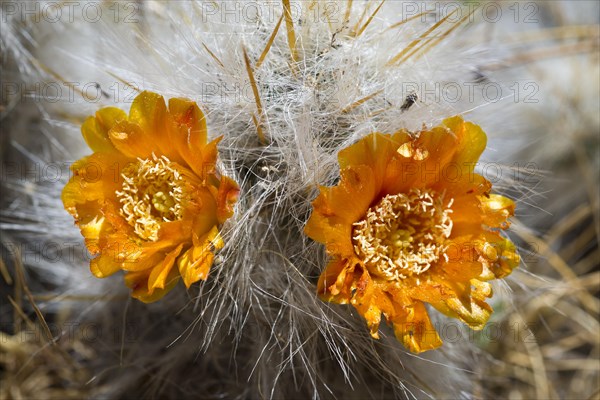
x=151, y=194
x=404, y=234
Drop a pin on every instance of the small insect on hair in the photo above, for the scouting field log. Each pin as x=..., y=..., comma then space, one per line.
x=409, y=101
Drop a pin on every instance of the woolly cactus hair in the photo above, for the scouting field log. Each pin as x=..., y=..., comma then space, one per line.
x=287, y=85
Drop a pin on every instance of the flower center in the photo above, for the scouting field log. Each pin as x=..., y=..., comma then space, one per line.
x=404, y=234
x=151, y=194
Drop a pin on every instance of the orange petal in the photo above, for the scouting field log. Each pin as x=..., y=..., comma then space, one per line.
x=170, y=235
x=481, y=290
x=474, y=313
x=498, y=254
x=459, y=270
x=369, y=300
x=145, y=262
x=444, y=154
x=196, y=270
x=466, y=185
x=351, y=198
x=91, y=232
x=188, y=135
x=105, y=265
x=412, y=165
x=94, y=178
x=463, y=259
x=438, y=144
x=148, y=110
x=160, y=273
x=115, y=249
x=390, y=172
x=138, y=282
x=132, y=141
x=203, y=211
x=73, y=194
x=454, y=299
x=95, y=136
x=456, y=143
x=471, y=140
x=204, y=161
x=79, y=191
x=187, y=113
x=226, y=198
x=374, y=150
x=496, y=210
x=415, y=329
x=336, y=236
x=195, y=263
x=335, y=283
x=95, y=129
x=337, y=208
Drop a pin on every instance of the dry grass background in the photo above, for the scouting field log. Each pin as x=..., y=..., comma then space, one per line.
x=549, y=347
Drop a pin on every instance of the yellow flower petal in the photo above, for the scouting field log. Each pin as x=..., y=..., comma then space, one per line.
x=456, y=301
x=370, y=301
x=148, y=191
x=415, y=331
x=373, y=151
x=471, y=141
x=148, y=111
x=131, y=140
x=95, y=129
x=138, y=283
x=496, y=210
x=195, y=263
x=226, y=198
x=197, y=270
x=91, y=232
x=186, y=114
x=337, y=282
x=160, y=273
x=499, y=253
x=411, y=223
x=143, y=263
x=336, y=208
x=105, y=265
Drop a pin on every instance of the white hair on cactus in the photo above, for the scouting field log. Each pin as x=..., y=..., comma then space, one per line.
x=256, y=328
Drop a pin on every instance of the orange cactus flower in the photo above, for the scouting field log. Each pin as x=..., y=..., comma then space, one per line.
x=150, y=200
x=410, y=223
